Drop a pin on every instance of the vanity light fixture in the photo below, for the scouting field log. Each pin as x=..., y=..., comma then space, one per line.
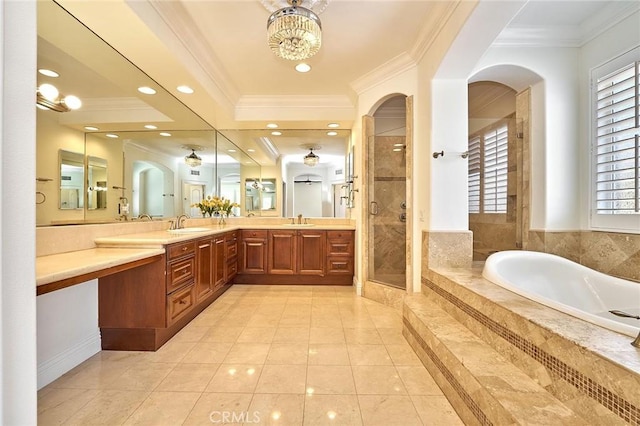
x=146, y=90
x=185, y=89
x=294, y=32
x=192, y=160
x=48, y=97
x=311, y=159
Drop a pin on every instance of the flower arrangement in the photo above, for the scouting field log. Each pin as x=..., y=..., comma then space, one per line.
x=215, y=205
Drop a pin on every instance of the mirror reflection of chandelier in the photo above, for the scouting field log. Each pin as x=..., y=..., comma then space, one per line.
x=295, y=32
x=311, y=159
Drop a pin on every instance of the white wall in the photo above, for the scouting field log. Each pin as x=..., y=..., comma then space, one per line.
x=18, y=399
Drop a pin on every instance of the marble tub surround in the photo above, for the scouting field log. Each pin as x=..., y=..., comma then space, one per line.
x=381, y=293
x=446, y=248
x=592, y=370
x=484, y=387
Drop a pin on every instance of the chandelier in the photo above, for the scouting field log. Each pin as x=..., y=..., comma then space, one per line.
x=294, y=32
x=311, y=159
x=192, y=160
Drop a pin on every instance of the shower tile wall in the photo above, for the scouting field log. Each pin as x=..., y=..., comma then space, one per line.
x=390, y=188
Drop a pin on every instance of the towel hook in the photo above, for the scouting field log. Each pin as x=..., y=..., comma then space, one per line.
x=438, y=154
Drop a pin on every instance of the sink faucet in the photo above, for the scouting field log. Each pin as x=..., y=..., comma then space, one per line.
x=300, y=219
x=179, y=223
x=145, y=216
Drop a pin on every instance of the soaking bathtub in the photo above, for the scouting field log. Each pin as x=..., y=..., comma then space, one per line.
x=568, y=287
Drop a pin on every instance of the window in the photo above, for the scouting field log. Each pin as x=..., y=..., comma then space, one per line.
x=488, y=167
x=616, y=151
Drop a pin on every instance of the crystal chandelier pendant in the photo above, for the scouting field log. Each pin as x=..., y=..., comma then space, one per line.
x=294, y=32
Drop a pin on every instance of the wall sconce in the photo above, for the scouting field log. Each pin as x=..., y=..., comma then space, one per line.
x=47, y=97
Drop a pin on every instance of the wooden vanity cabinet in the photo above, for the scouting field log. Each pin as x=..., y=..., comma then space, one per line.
x=291, y=256
x=231, y=250
x=219, y=262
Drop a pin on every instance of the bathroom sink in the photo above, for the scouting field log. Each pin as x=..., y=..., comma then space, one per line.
x=299, y=225
x=187, y=230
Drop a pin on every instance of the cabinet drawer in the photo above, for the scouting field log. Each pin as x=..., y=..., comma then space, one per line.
x=232, y=249
x=254, y=233
x=231, y=236
x=180, y=272
x=340, y=248
x=175, y=251
x=339, y=266
x=179, y=303
x=340, y=235
x=232, y=269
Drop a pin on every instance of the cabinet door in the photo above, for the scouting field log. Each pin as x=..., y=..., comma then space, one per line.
x=311, y=252
x=204, y=264
x=253, y=256
x=282, y=252
x=219, y=262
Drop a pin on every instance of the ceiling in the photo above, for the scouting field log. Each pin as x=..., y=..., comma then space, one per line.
x=219, y=48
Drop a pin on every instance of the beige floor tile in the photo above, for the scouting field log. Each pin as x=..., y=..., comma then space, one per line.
x=256, y=335
x=328, y=354
x=220, y=408
x=93, y=374
x=247, y=353
x=170, y=352
x=57, y=405
x=377, y=380
x=142, y=376
x=111, y=407
x=222, y=334
x=188, y=378
x=368, y=355
x=263, y=320
x=191, y=334
x=299, y=300
x=275, y=409
x=326, y=320
x=207, y=353
x=164, y=408
x=343, y=410
x=282, y=379
x=418, y=381
x=235, y=378
x=295, y=320
x=436, y=411
x=330, y=379
x=362, y=336
x=326, y=335
x=291, y=335
x=402, y=354
x=391, y=336
x=287, y=353
x=388, y=410
x=387, y=321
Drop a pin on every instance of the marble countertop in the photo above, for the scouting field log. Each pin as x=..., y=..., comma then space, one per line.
x=156, y=239
x=57, y=267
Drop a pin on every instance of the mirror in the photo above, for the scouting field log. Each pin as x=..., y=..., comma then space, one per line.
x=71, y=180
x=260, y=195
x=97, y=183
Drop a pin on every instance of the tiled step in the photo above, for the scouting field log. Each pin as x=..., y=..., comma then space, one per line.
x=483, y=386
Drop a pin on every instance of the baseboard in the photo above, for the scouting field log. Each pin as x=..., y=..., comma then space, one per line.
x=51, y=369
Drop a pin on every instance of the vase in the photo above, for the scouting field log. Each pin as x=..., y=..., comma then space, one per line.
x=223, y=219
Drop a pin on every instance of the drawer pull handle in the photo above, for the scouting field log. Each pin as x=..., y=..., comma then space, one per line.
x=182, y=302
x=184, y=249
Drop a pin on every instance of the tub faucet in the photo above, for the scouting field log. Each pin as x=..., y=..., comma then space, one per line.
x=615, y=312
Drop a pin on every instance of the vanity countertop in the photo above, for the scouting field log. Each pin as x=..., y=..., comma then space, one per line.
x=62, y=266
x=160, y=238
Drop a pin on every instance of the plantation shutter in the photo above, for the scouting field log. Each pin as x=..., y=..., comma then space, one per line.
x=617, y=167
x=495, y=170
x=474, y=175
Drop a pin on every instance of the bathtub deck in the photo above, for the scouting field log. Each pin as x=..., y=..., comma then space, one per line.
x=592, y=371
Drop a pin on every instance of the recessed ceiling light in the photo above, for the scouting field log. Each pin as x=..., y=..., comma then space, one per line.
x=251, y=150
x=232, y=150
x=91, y=128
x=185, y=89
x=272, y=126
x=146, y=90
x=333, y=125
x=303, y=67
x=150, y=126
x=398, y=144
x=332, y=133
x=397, y=149
x=276, y=133
x=112, y=135
x=48, y=73
x=165, y=134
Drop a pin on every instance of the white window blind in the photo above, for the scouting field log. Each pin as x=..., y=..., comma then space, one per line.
x=617, y=150
x=495, y=170
x=474, y=175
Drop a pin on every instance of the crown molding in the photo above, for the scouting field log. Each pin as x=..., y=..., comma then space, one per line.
x=185, y=37
x=401, y=63
x=438, y=19
x=286, y=108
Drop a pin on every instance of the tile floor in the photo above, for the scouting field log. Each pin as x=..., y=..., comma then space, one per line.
x=281, y=355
